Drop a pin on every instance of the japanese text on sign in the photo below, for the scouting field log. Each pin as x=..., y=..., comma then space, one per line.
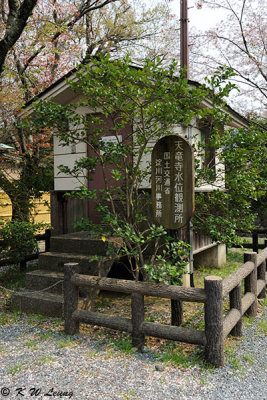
x=172, y=172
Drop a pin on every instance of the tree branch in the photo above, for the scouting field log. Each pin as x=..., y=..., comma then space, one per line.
x=16, y=22
x=84, y=9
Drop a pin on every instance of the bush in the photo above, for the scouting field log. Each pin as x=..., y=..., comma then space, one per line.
x=170, y=266
x=18, y=239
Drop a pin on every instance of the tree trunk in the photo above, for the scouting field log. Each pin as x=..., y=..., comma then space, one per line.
x=20, y=207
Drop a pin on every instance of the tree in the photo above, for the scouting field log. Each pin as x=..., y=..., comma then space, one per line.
x=61, y=33
x=13, y=19
x=27, y=171
x=238, y=42
x=236, y=164
x=148, y=101
x=259, y=206
x=129, y=27
x=225, y=212
x=57, y=36
x=50, y=25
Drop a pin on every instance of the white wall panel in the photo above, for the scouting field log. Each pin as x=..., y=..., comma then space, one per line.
x=69, y=183
x=67, y=160
x=58, y=149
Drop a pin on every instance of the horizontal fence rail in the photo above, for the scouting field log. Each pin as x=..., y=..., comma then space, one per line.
x=236, y=277
x=217, y=326
x=170, y=332
x=145, y=288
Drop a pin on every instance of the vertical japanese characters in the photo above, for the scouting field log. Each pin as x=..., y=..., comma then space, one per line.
x=178, y=182
x=172, y=176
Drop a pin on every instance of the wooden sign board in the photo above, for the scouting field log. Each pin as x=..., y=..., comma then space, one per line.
x=172, y=182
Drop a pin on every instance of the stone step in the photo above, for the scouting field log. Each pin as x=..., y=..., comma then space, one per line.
x=42, y=303
x=44, y=279
x=49, y=304
x=52, y=282
x=54, y=261
x=80, y=243
x=74, y=247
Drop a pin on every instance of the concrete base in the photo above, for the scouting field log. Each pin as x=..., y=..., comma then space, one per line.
x=211, y=257
x=40, y=303
x=186, y=276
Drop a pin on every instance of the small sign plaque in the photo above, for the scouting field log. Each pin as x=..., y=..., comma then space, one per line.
x=172, y=182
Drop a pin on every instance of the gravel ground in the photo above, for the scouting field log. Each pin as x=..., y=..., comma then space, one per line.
x=37, y=362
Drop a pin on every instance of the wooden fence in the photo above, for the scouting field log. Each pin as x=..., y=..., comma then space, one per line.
x=40, y=211
x=255, y=235
x=217, y=327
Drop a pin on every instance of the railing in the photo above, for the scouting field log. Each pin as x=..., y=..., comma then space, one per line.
x=254, y=245
x=41, y=237
x=217, y=327
x=253, y=272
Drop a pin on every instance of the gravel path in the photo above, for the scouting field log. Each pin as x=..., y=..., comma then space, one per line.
x=39, y=363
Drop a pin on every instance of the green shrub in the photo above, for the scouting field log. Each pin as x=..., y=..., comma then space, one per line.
x=18, y=239
x=169, y=267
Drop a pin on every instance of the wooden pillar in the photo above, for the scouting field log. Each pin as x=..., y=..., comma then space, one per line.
x=184, y=52
x=47, y=239
x=23, y=265
x=138, y=311
x=56, y=198
x=262, y=276
x=251, y=283
x=255, y=238
x=71, y=298
x=236, y=302
x=214, y=321
x=176, y=312
x=177, y=305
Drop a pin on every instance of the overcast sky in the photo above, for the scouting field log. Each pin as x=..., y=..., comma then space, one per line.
x=203, y=19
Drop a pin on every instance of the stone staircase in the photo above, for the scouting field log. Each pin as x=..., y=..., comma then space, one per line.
x=73, y=247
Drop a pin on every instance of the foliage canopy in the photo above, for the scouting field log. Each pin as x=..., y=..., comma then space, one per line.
x=148, y=102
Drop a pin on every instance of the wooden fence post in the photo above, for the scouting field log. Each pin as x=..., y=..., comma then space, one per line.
x=47, y=239
x=262, y=276
x=214, y=320
x=176, y=312
x=138, y=311
x=255, y=241
x=71, y=298
x=236, y=302
x=251, y=283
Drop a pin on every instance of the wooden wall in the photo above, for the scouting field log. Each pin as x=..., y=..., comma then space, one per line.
x=41, y=211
